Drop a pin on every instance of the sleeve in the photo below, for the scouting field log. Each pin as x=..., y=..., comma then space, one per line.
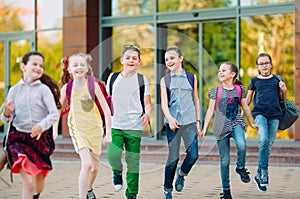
x=243, y=91
x=147, y=86
x=251, y=85
x=212, y=94
x=108, y=82
x=8, y=98
x=53, y=115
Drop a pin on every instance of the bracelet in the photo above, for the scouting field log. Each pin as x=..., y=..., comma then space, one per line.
x=199, y=121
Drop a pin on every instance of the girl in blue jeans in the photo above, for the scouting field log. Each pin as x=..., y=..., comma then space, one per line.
x=266, y=112
x=229, y=123
x=180, y=105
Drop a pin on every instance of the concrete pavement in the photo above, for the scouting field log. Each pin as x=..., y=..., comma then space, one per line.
x=203, y=182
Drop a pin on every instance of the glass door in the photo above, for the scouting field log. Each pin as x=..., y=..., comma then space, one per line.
x=12, y=48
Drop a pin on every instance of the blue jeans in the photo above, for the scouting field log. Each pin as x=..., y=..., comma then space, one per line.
x=238, y=134
x=266, y=137
x=190, y=138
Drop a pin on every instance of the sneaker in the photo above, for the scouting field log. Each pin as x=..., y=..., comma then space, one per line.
x=179, y=183
x=259, y=186
x=244, y=174
x=36, y=196
x=131, y=197
x=168, y=195
x=118, y=181
x=90, y=194
x=264, y=180
x=226, y=194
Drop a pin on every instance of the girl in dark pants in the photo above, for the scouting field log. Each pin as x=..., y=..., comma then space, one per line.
x=182, y=112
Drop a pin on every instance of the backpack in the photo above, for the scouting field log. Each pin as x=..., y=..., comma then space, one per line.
x=91, y=87
x=220, y=89
x=167, y=78
x=289, y=110
x=141, y=90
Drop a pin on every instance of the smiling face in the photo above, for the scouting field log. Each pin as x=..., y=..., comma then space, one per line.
x=225, y=73
x=264, y=65
x=173, y=60
x=130, y=60
x=33, y=69
x=78, y=66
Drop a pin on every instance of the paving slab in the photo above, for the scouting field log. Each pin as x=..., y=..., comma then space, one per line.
x=202, y=182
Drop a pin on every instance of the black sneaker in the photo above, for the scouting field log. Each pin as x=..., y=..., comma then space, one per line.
x=179, y=183
x=244, y=174
x=226, y=194
x=131, y=197
x=90, y=194
x=259, y=187
x=264, y=180
x=168, y=195
x=118, y=181
x=36, y=196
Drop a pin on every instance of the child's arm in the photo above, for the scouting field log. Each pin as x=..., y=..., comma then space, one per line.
x=247, y=112
x=62, y=100
x=107, y=113
x=283, y=90
x=164, y=105
x=197, y=104
x=208, y=115
x=148, y=110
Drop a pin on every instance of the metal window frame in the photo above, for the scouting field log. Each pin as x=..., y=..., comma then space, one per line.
x=158, y=19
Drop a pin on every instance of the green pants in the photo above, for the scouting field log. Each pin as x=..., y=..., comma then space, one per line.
x=131, y=140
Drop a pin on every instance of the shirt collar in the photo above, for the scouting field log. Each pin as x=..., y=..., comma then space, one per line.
x=36, y=82
x=183, y=74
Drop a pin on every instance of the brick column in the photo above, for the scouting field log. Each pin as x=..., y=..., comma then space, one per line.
x=80, y=33
x=297, y=65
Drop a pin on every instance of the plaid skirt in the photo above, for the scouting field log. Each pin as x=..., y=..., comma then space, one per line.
x=28, y=153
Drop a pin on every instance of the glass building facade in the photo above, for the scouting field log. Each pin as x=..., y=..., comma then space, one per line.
x=208, y=33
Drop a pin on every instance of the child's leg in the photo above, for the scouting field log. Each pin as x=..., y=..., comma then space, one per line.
x=224, y=151
x=238, y=135
x=94, y=171
x=174, y=139
x=85, y=172
x=190, y=139
x=132, y=157
x=28, y=184
x=39, y=183
x=114, y=151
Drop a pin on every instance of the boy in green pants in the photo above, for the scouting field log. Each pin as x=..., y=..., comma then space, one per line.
x=130, y=94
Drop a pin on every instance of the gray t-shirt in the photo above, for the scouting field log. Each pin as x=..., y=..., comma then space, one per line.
x=126, y=102
x=227, y=115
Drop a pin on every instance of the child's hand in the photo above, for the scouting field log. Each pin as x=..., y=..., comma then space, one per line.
x=36, y=131
x=9, y=108
x=201, y=134
x=254, y=126
x=107, y=139
x=173, y=123
x=145, y=120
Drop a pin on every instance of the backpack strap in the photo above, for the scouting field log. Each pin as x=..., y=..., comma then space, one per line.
x=91, y=86
x=239, y=90
x=69, y=91
x=219, y=93
x=167, y=79
x=142, y=89
x=112, y=80
x=191, y=79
